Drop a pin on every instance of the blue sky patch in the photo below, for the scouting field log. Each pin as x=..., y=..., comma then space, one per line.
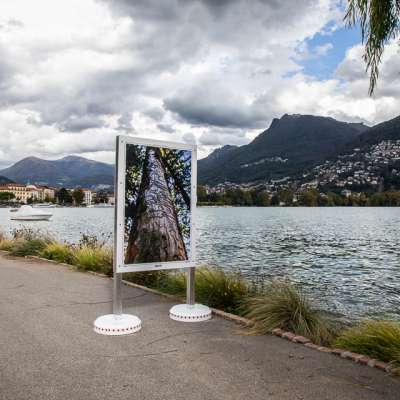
x=322, y=65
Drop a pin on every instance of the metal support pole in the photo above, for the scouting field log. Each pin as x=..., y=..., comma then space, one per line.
x=117, y=298
x=117, y=284
x=190, y=294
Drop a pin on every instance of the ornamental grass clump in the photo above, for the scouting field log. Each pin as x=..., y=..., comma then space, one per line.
x=5, y=242
x=376, y=339
x=98, y=259
x=59, y=252
x=31, y=247
x=283, y=305
x=220, y=289
x=213, y=287
x=27, y=242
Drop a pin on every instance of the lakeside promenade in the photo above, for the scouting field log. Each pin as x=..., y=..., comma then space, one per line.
x=48, y=349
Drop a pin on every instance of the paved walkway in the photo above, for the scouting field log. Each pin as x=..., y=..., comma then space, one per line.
x=48, y=349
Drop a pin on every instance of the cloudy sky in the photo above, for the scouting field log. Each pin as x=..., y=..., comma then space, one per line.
x=73, y=74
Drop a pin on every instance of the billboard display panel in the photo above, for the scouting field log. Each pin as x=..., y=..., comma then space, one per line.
x=156, y=197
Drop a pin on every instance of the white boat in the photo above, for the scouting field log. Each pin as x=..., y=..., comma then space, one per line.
x=43, y=205
x=28, y=213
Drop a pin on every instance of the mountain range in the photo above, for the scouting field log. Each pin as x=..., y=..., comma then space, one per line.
x=66, y=172
x=291, y=145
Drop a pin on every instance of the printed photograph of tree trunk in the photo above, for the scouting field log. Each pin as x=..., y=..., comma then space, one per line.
x=157, y=204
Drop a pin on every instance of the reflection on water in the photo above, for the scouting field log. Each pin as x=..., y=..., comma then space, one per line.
x=347, y=259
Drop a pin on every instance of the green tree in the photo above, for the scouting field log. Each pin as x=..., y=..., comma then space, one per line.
x=363, y=199
x=101, y=197
x=274, y=200
x=259, y=198
x=352, y=200
x=78, y=195
x=6, y=196
x=393, y=198
x=247, y=199
x=202, y=194
x=380, y=22
x=334, y=199
x=377, y=200
x=286, y=196
x=64, y=196
x=309, y=198
x=215, y=198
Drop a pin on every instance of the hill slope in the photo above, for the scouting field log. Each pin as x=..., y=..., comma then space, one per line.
x=68, y=171
x=291, y=144
x=388, y=130
x=4, y=180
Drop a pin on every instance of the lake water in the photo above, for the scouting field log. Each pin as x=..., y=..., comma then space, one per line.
x=346, y=259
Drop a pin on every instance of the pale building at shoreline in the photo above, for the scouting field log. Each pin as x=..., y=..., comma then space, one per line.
x=23, y=193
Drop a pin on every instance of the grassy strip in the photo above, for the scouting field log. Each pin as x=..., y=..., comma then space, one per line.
x=272, y=305
x=59, y=252
x=98, y=259
x=377, y=339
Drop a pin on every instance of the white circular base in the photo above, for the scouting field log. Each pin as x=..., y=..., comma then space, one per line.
x=190, y=313
x=112, y=324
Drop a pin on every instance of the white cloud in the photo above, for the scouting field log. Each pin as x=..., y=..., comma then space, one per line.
x=323, y=49
x=75, y=74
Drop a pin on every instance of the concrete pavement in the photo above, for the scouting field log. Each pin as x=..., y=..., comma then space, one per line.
x=48, y=349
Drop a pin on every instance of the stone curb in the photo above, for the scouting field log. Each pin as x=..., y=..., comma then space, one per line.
x=345, y=354
x=290, y=336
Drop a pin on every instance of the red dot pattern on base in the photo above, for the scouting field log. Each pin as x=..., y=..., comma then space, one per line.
x=191, y=318
x=121, y=330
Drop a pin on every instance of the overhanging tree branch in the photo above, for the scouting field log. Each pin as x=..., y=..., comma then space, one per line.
x=379, y=21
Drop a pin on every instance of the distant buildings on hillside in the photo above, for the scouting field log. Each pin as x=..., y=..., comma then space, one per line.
x=361, y=171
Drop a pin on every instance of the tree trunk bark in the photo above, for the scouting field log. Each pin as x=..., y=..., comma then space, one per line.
x=155, y=236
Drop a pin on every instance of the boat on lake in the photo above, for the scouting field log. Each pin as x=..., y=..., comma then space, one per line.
x=43, y=205
x=28, y=213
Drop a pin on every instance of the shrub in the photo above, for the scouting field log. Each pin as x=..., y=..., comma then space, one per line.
x=377, y=339
x=27, y=242
x=6, y=244
x=58, y=252
x=220, y=289
x=28, y=247
x=98, y=259
x=283, y=305
x=213, y=287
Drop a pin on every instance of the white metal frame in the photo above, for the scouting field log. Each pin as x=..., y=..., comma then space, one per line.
x=119, y=238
